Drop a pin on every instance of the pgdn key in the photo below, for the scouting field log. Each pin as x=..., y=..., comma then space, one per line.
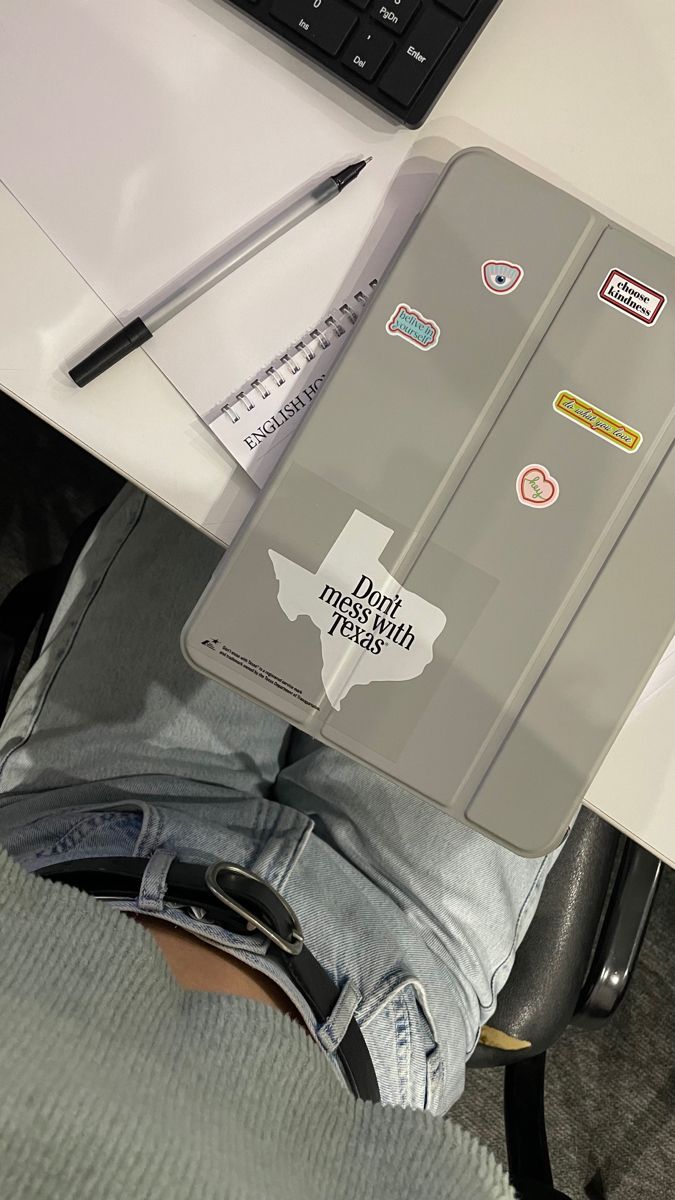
x=394, y=14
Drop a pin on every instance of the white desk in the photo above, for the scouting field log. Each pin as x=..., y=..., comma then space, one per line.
x=581, y=91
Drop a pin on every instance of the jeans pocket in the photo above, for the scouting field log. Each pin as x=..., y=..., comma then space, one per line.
x=77, y=833
x=399, y=1030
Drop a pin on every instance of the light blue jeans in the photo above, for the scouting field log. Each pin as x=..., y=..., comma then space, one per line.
x=114, y=746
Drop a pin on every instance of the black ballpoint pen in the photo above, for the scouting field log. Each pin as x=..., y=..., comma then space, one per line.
x=142, y=328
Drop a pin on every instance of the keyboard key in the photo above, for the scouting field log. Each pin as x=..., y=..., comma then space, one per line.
x=417, y=54
x=395, y=14
x=459, y=8
x=367, y=51
x=325, y=23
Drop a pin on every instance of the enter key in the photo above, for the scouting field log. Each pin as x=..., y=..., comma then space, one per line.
x=418, y=54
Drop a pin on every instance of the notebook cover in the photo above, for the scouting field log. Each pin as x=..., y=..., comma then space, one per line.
x=440, y=577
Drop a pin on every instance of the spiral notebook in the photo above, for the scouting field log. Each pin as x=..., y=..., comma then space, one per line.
x=256, y=422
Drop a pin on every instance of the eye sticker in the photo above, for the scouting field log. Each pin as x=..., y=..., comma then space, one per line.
x=501, y=277
x=536, y=487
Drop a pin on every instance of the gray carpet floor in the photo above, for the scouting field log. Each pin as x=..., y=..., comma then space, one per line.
x=610, y=1101
x=610, y=1096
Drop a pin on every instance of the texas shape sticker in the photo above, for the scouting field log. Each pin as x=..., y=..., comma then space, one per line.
x=535, y=487
x=500, y=276
x=371, y=628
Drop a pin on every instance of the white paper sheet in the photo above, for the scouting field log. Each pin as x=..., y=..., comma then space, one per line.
x=143, y=137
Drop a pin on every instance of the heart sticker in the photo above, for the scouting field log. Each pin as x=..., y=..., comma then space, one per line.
x=536, y=488
x=501, y=277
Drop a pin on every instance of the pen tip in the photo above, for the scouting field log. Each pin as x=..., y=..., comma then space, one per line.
x=348, y=173
x=368, y=159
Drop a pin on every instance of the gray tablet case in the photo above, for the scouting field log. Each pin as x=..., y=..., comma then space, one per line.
x=462, y=572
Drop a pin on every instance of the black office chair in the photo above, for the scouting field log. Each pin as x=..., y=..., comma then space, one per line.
x=574, y=964
x=573, y=967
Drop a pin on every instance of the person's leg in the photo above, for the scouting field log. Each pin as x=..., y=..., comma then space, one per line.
x=113, y=745
x=111, y=710
x=458, y=903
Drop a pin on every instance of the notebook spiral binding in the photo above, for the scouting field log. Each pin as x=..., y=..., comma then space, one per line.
x=282, y=369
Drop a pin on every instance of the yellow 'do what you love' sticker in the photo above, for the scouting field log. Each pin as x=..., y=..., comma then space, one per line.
x=598, y=422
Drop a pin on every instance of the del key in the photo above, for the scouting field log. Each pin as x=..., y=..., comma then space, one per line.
x=325, y=23
x=418, y=52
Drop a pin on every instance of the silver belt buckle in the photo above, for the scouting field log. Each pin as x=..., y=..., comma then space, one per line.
x=292, y=946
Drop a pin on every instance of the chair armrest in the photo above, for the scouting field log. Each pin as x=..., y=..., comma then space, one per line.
x=621, y=936
x=20, y=613
x=540, y=996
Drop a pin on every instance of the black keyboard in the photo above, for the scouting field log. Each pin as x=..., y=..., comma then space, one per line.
x=398, y=53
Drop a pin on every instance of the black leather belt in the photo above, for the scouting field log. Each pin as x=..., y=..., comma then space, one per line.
x=243, y=903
